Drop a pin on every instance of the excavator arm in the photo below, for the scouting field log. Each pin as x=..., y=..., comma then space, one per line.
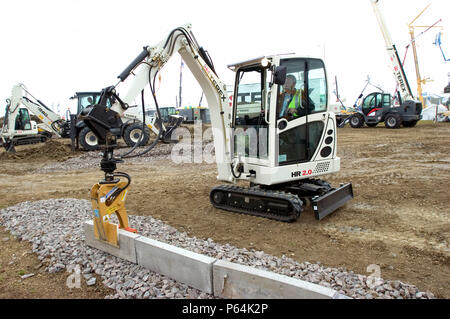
x=108, y=196
x=105, y=121
x=51, y=121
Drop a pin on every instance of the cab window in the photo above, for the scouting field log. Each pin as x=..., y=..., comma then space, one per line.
x=249, y=104
x=369, y=102
x=250, y=127
x=386, y=100
x=89, y=99
x=317, y=89
x=23, y=120
x=293, y=100
x=302, y=96
x=85, y=101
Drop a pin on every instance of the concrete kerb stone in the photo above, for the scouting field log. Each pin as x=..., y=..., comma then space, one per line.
x=219, y=277
x=177, y=263
x=126, y=248
x=237, y=281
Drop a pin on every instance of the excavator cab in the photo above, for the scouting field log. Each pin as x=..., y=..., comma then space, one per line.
x=18, y=129
x=23, y=121
x=288, y=115
x=282, y=138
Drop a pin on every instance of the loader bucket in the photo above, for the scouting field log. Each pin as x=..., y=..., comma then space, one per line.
x=174, y=122
x=9, y=146
x=329, y=202
x=345, y=121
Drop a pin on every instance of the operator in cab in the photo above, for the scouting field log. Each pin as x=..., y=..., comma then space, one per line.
x=290, y=100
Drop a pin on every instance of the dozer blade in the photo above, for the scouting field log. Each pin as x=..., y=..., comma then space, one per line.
x=329, y=202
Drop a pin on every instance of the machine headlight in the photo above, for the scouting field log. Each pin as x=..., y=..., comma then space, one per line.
x=265, y=62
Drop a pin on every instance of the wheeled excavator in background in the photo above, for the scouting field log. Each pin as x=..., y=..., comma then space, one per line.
x=378, y=107
x=279, y=156
x=18, y=128
x=131, y=128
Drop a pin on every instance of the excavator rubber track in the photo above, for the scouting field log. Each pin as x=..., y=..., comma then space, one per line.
x=27, y=140
x=277, y=205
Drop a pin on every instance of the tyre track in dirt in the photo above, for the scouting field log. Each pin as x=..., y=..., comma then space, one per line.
x=400, y=240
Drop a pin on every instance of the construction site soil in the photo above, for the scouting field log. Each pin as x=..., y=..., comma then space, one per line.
x=399, y=218
x=51, y=150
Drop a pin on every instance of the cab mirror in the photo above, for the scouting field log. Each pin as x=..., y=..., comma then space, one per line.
x=279, y=76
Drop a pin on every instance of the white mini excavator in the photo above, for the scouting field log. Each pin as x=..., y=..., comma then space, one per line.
x=18, y=128
x=280, y=149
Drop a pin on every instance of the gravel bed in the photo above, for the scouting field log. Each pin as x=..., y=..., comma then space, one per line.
x=54, y=227
x=92, y=159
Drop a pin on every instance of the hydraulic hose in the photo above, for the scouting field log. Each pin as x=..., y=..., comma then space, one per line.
x=158, y=121
x=119, y=190
x=232, y=172
x=170, y=41
x=138, y=143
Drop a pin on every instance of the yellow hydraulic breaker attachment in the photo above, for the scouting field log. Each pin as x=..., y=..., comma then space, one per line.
x=108, y=199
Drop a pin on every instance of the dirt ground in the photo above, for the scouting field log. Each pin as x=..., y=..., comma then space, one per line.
x=16, y=260
x=399, y=218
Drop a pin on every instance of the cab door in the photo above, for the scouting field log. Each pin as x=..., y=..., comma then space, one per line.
x=300, y=128
x=250, y=128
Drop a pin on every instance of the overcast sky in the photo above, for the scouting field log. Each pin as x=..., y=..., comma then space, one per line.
x=59, y=47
